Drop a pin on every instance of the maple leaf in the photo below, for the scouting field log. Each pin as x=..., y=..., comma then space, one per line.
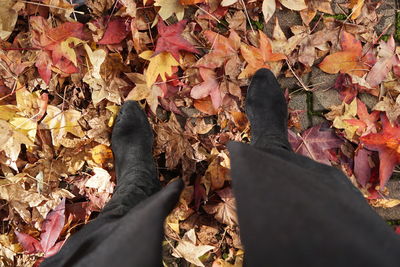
x=258, y=57
x=188, y=249
x=223, y=49
x=209, y=86
x=313, y=6
x=170, y=39
x=160, y=65
x=51, y=229
x=225, y=211
x=350, y=60
x=386, y=59
x=116, y=31
x=366, y=122
x=340, y=121
x=314, y=142
x=142, y=91
x=170, y=7
x=390, y=107
x=387, y=143
x=62, y=122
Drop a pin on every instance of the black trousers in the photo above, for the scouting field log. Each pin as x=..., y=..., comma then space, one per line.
x=292, y=212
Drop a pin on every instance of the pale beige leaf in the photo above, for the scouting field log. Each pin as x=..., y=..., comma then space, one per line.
x=294, y=4
x=268, y=9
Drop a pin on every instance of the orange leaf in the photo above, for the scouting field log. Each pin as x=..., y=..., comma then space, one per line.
x=190, y=2
x=258, y=57
x=205, y=105
x=349, y=60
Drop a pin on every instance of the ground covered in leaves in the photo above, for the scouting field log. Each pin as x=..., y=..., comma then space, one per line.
x=65, y=69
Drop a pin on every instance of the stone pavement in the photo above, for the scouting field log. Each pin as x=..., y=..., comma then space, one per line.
x=323, y=95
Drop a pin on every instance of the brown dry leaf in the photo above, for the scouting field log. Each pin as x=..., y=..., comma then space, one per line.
x=102, y=154
x=392, y=108
x=101, y=180
x=8, y=18
x=188, y=249
x=268, y=9
x=62, y=122
x=385, y=203
x=143, y=91
x=294, y=4
x=313, y=6
x=225, y=211
x=172, y=140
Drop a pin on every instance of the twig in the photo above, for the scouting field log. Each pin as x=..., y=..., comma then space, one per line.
x=51, y=6
x=305, y=87
x=208, y=13
x=247, y=15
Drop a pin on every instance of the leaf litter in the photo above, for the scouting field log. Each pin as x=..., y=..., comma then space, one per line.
x=66, y=68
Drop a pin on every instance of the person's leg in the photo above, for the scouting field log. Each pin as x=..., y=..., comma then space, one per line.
x=294, y=211
x=132, y=221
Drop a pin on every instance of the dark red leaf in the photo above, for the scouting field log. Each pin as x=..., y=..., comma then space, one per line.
x=117, y=30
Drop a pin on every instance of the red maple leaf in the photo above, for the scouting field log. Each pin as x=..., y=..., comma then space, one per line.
x=117, y=30
x=387, y=143
x=366, y=122
x=170, y=39
x=314, y=143
x=51, y=229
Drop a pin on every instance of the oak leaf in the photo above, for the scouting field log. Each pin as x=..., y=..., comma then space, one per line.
x=170, y=39
x=350, y=60
x=387, y=143
x=258, y=57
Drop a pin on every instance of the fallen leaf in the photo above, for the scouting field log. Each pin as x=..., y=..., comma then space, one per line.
x=170, y=7
x=225, y=211
x=268, y=9
x=116, y=31
x=209, y=87
x=8, y=19
x=170, y=39
x=314, y=142
x=350, y=60
x=188, y=249
x=294, y=4
x=386, y=142
x=356, y=6
x=258, y=57
x=102, y=154
x=160, y=65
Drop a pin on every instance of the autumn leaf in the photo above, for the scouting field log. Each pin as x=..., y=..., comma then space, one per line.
x=258, y=57
x=222, y=50
x=390, y=107
x=294, y=4
x=268, y=9
x=314, y=142
x=349, y=111
x=350, y=60
x=170, y=39
x=225, y=211
x=356, y=6
x=209, y=87
x=8, y=19
x=366, y=122
x=386, y=142
x=386, y=59
x=116, y=31
x=170, y=7
x=188, y=249
x=143, y=91
x=313, y=6
x=51, y=229
x=62, y=122
x=160, y=65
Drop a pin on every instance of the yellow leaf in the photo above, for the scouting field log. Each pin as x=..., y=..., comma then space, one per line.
x=160, y=64
x=169, y=7
x=356, y=6
x=294, y=4
x=8, y=18
x=26, y=126
x=350, y=111
x=7, y=112
x=62, y=122
x=96, y=58
x=114, y=110
x=68, y=51
x=101, y=154
x=10, y=142
x=142, y=91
